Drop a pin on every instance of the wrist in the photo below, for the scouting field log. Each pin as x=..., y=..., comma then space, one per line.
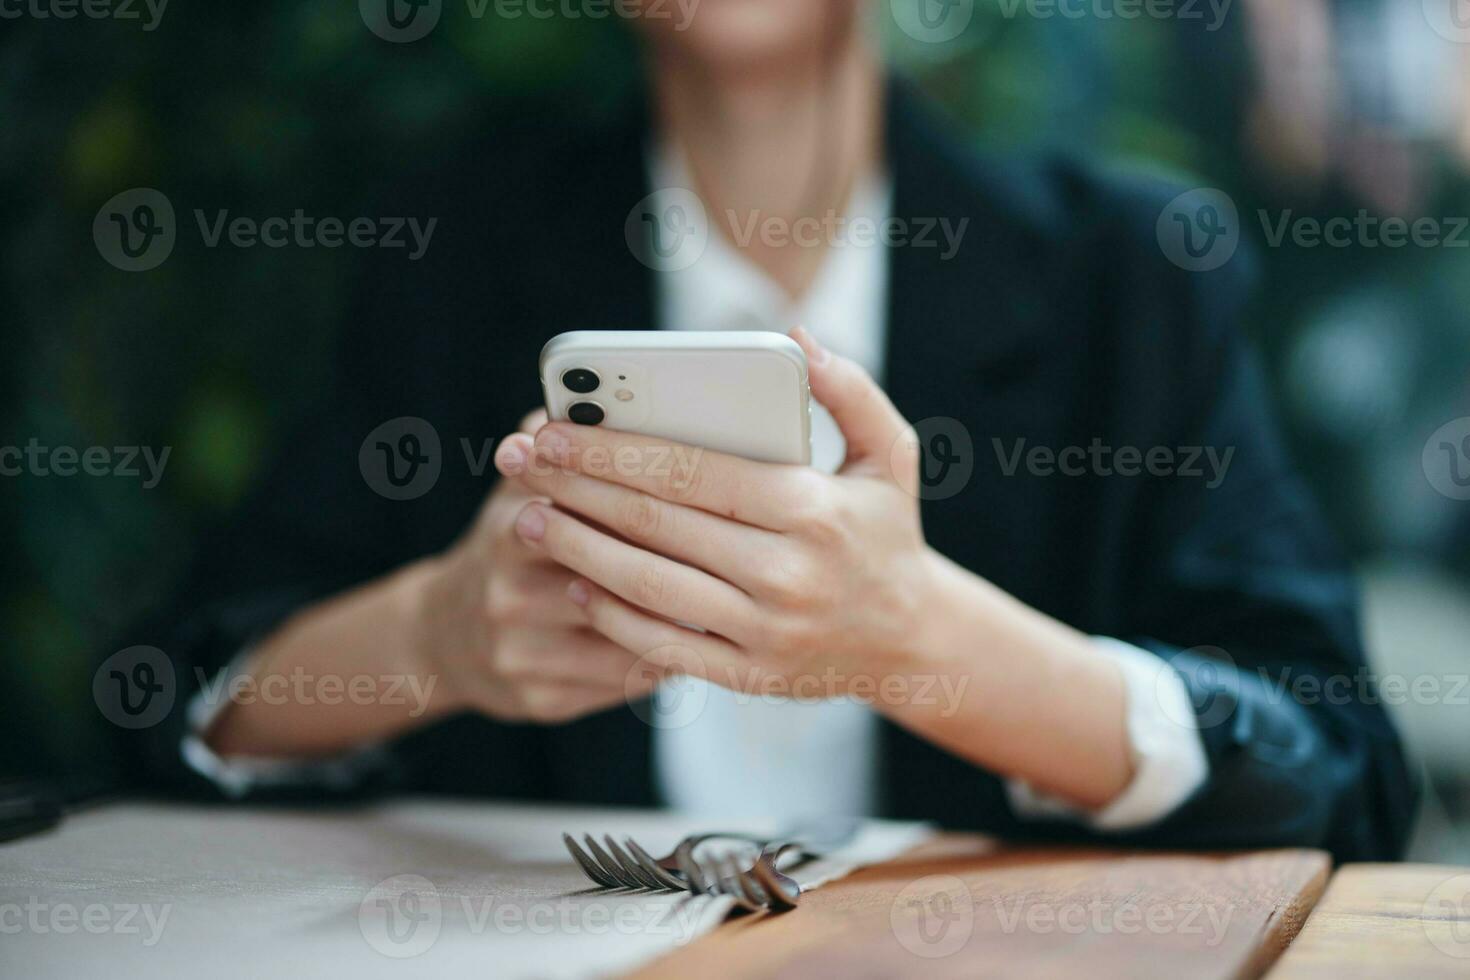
x=924, y=638
x=416, y=591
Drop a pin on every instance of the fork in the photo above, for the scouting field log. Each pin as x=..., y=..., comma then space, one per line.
x=617, y=868
x=761, y=888
x=634, y=867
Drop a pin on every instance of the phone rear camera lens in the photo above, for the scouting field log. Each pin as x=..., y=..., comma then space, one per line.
x=581, y=380
x=586, y=413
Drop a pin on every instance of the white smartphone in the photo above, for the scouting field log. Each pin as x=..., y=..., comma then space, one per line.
x=743, y=393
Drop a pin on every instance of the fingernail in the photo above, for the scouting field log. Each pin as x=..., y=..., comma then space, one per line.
x=553, y=443
x=510, y=458
x=577, y=592
x=531, y=524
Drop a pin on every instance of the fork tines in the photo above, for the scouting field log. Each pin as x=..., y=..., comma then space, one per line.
x=615, y=868
x=758, y=888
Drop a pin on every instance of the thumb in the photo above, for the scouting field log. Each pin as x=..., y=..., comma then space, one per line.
x=879, y=441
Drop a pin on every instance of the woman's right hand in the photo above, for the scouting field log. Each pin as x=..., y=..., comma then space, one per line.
x=496, y=625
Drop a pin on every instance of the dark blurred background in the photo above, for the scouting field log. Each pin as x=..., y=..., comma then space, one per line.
x=1301, y=109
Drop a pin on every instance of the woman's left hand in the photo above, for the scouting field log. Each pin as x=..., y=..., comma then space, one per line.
x=820, y=580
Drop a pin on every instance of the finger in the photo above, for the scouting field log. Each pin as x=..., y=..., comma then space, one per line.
x=660, y=644
x=725, y=548
x=558, y=704
x=574, y=654
x=760, y=494
x=534, y=420
x=514, y=448
x=870, y=423
x=650, y=581
x=512, y=455
x=534, y=593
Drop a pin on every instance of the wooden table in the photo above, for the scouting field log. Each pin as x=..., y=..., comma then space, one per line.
x=966, y=908
x=250, y=891
x=1385, y=920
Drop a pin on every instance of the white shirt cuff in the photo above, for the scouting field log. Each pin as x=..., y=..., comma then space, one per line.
x=237, y=776
x=1169, y=761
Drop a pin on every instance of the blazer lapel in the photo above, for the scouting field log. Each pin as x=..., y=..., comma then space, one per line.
x=965, y=323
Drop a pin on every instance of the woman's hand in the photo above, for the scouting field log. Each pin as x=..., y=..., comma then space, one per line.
x=741, y=572
x=818, y=580
x=495, y=625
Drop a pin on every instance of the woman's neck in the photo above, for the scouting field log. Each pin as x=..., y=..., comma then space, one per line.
x=767, y=147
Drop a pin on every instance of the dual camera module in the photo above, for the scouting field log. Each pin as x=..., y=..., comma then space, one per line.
x=583, y=381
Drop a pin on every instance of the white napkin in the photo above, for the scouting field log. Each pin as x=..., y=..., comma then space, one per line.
x=417, y=888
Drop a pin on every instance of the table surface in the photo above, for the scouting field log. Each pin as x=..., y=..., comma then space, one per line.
x=964, y=907
x=279, y=883
x=1385, y=920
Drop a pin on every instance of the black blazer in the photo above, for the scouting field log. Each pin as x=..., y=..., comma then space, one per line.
x=1059, y=322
